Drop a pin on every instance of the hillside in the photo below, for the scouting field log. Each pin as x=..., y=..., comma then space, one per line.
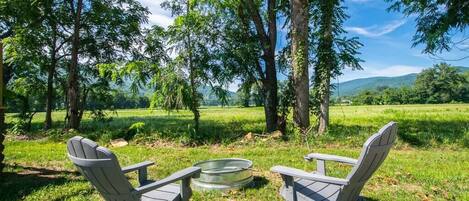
x=210, y=98
x=352, y=87
x=348, y=88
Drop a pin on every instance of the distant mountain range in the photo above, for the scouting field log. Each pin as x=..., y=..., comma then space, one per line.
x=348, y=88
x=353, y=87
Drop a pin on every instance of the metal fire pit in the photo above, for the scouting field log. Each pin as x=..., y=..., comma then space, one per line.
x=223, y=174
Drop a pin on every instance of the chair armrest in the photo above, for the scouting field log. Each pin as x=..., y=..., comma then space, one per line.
x=327, y=157
x=292, y=172
x=180, y=175
x=137, y=166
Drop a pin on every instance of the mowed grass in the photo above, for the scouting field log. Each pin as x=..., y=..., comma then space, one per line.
x=41, y=171
x=430, y=161
x=419, y=125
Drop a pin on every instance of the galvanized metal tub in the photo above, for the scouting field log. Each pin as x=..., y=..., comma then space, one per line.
x=223, y=174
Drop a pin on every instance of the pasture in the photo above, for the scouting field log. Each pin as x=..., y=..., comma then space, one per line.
x=429, y=162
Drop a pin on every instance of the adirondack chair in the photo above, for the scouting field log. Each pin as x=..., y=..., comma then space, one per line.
x=303, y=186
x=101, y=168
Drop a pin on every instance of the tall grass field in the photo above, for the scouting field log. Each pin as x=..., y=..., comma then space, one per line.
x=429, y=162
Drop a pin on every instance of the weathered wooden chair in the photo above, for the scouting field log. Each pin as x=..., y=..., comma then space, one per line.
x=303, y=186
x=101, y=168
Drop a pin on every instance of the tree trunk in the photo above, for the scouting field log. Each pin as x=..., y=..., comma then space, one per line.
x=66, y=105
x=73, y=88
x=26, y=110
x=50, y=89
x=271, y=70
x=194, y=107
x=326, y=62
x=2, y=137
x=300, y=43
x=271, y=99
x=50, y=74
x=246, y=93
x=268, y=41
x=30, y=119
x=84, y=98
x=2, y=110
x=50, y=97
x=324, y=109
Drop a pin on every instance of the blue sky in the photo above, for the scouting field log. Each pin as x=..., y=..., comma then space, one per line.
x=387, y=39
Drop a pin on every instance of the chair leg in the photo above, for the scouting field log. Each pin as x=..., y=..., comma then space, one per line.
x=290, y=187
x=186, y=191
x=142, y=176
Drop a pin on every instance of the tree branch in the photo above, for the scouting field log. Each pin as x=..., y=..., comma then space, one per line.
x=259, y=24
x=436, y=57
x=63, y=43
x=245, y=24
x=260, y=71
x=272, y=13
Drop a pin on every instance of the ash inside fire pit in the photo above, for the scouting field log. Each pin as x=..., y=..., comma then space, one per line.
x=223, y=174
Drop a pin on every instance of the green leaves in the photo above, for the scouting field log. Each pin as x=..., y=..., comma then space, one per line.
x=332, y=50
x=437, y=22
x=171, y=93
x=441, y=84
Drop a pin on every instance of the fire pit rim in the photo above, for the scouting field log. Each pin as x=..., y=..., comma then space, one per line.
x=225, y=171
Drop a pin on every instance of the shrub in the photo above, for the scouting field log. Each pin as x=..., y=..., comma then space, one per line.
x=134, y=129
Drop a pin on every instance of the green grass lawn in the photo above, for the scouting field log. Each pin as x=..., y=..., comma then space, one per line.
x=419, y=125
x=430, y=161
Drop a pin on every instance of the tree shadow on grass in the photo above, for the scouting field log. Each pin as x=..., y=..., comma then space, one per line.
x=175, y=128
x=417, y=133
x=426, y=132
x=20, y=181
x=367, y=199
x=170, y=127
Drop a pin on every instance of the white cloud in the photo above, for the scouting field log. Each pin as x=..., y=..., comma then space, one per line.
x=396, y=70
x=160, y=20
x=234, y=86
x=158, y=15
x=375, y=30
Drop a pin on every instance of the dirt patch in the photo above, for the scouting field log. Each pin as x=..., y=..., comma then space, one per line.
x=162, y=143
x=412, y=188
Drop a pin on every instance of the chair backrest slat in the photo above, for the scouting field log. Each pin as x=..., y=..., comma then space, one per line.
x=374, y=152
x=101, y=168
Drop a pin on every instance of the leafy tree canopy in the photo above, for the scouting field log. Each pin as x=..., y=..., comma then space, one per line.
x=437, y=22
